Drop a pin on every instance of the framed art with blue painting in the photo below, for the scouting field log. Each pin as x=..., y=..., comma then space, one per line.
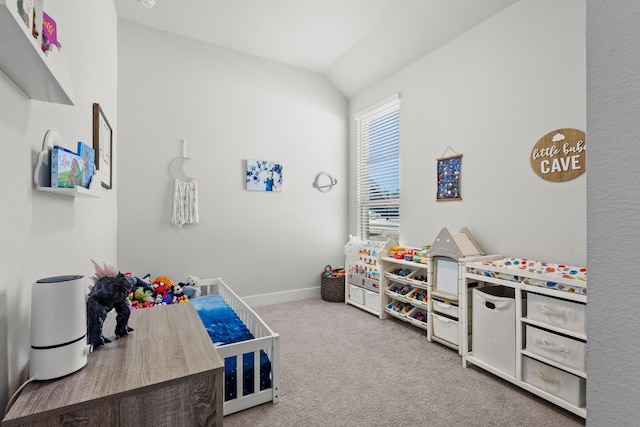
x=263, y=175
x=449, y=178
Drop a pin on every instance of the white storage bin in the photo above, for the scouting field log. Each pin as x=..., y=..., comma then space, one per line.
x=554, y=381
x=445, y=307
x=418, y=297
x=419, y=317
x=556, y=312
x=356, y=294
x=419, y=277
x=494, y=327
x=569, y=352
x=372, y=300
x=445, y=328
x=398, y=290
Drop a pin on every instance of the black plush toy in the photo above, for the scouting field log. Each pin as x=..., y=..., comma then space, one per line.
x=108, y=293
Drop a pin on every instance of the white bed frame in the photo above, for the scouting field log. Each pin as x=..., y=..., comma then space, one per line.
x=264, y=339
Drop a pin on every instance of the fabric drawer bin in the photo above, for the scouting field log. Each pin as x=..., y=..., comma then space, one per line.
x=555, y=381
x=364, y=282
x=371, y=284
x=494, y=327
x=556, y=312
x=561, y=349
x=445, y=307
x=445, y=328
x=372, y=300
x=356, y=294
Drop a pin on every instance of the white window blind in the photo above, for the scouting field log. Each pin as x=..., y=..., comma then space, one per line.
x=378, y=171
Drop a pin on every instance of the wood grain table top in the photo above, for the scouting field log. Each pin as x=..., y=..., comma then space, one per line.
x=168, y=344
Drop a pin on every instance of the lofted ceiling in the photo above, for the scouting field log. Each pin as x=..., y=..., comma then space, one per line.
x=353, y=43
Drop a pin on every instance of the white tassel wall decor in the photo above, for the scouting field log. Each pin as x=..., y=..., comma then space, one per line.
x=185, y=203
x=185, y=192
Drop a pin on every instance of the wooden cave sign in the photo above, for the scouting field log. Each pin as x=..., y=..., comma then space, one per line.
x=560, y=155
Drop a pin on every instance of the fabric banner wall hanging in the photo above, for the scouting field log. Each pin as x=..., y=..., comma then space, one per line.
x=449, y=178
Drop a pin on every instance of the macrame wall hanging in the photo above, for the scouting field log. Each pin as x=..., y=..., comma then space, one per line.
x=185, y=192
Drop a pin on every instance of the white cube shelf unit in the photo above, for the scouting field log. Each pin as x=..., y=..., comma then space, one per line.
x=549, y=324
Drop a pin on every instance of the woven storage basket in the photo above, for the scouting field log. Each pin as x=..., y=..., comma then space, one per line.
x=332, y=288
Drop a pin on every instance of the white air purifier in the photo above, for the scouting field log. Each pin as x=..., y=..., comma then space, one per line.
x=58, y=327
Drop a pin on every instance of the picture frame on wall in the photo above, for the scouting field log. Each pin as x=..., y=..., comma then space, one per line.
x=263, y=175
x=448, y=185
x=103, y=146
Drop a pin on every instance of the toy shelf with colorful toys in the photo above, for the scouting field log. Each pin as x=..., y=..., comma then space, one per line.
x=364, y=271
x=406, y=294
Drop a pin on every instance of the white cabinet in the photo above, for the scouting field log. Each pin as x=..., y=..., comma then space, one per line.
x=449, y=316
x=449, y=311
x=405, y=293
x=41, y=76
x=549, y=346
x=364, y=273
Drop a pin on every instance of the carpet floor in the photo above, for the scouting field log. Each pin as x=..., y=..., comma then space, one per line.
x=341, y=366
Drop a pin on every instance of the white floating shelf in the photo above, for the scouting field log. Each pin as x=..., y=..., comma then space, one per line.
x=42, y=172
x=71, y=192
x=42, y=77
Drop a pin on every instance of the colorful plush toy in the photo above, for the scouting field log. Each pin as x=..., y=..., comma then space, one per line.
x=178, y=293
x=167, y=281
x=177, y=290
x=160, y=290
x=191, y=291
x=190, y=288
x=140, y=293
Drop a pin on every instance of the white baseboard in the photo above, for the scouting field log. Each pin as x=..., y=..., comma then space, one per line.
x=284, y=296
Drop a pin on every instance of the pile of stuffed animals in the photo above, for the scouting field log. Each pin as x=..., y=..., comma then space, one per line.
x=113, y=290
x=162, y=290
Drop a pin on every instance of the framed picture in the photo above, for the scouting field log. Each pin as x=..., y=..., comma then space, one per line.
x=103, y=145
x=449, y=178
x=263, y=175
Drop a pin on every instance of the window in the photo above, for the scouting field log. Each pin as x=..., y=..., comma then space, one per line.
x=378, y=171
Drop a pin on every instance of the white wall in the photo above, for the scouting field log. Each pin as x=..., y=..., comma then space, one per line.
x=491, y=94
x=229, y=107
x=613, y=67
x=45, y=235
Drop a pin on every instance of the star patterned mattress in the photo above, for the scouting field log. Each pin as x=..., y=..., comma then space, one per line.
x=535, y=273
x=225, y=327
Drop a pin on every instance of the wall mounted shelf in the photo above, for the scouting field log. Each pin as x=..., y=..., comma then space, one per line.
x=72, y=192
x=42, y=77
x=42, y=172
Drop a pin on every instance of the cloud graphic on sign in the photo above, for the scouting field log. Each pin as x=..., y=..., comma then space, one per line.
x=558, y=137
